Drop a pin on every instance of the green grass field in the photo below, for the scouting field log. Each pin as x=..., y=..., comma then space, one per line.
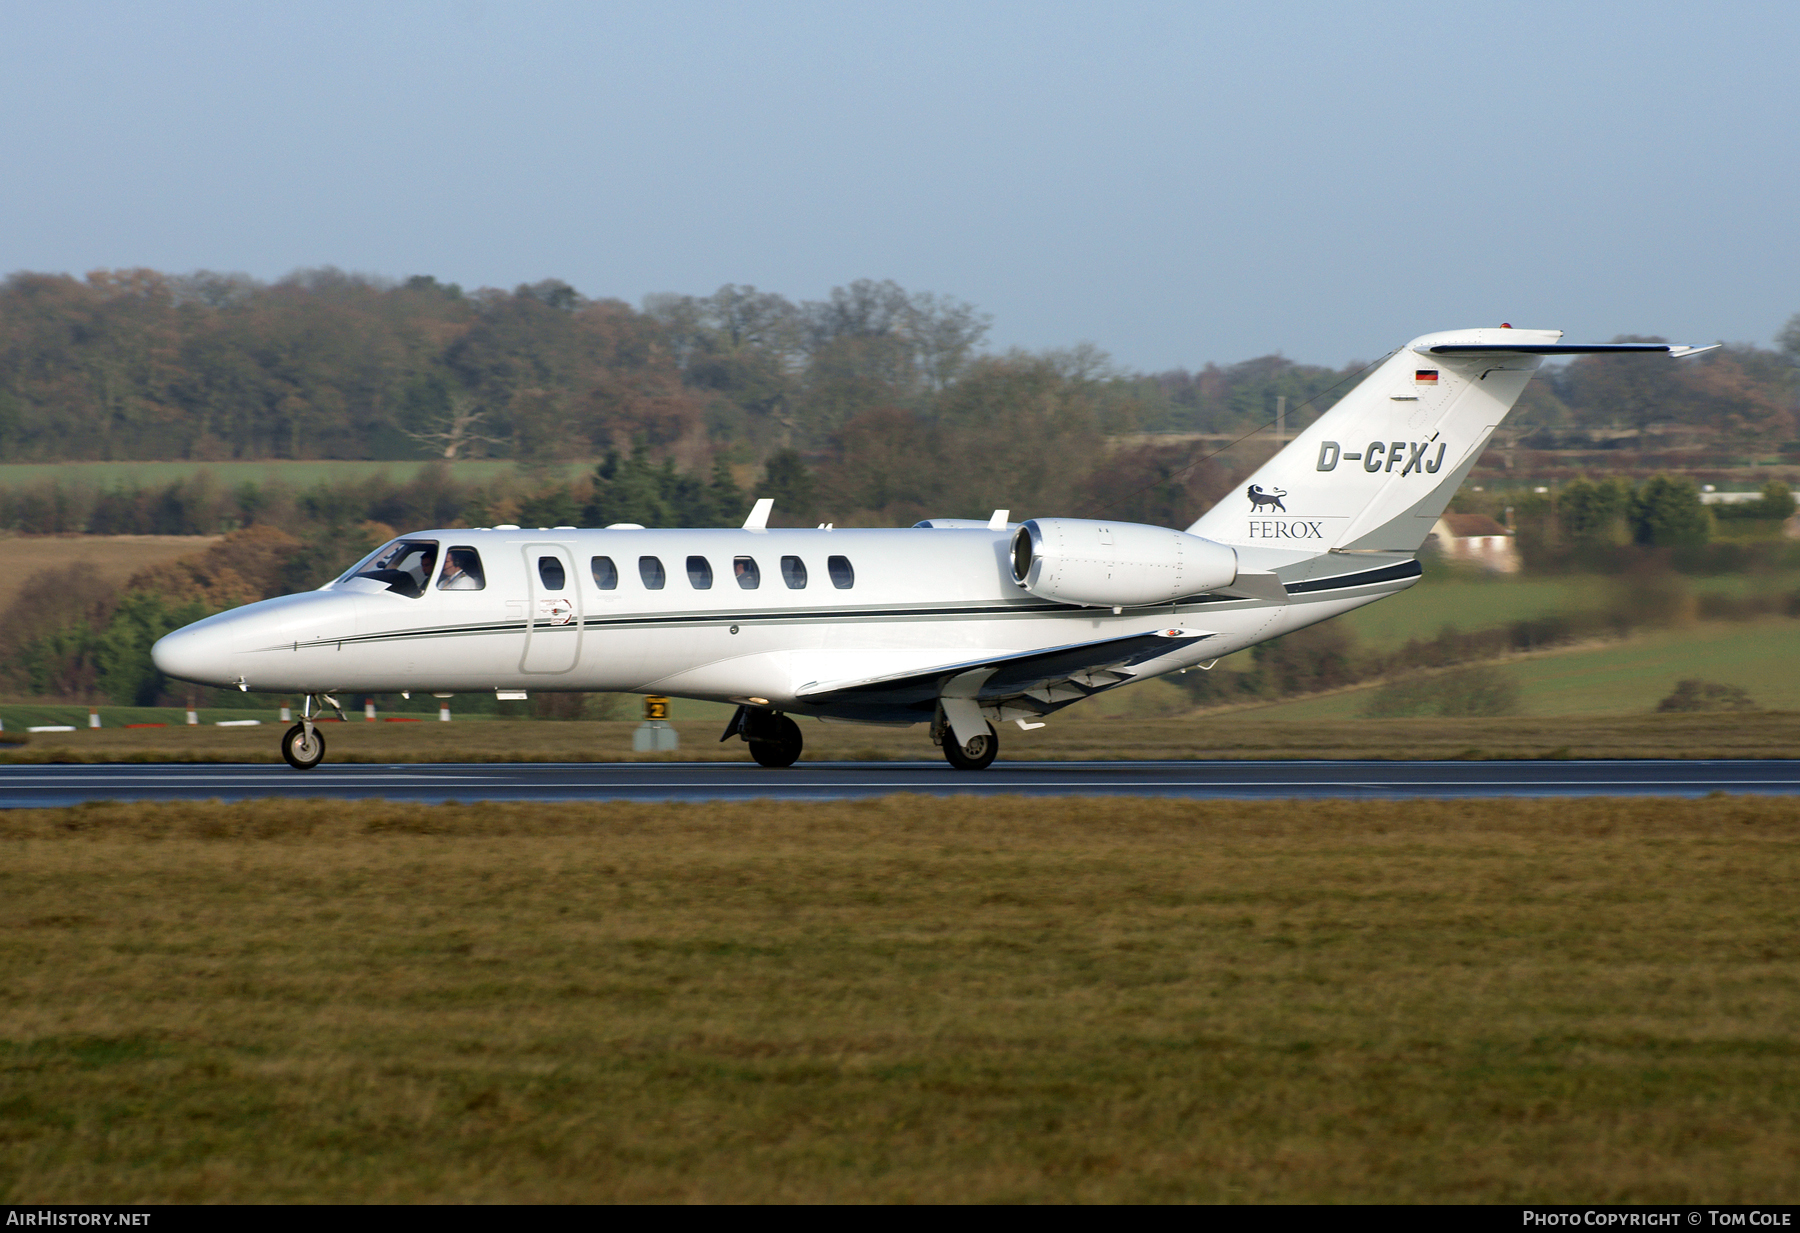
x=1762, y=656
x=295, y=475
x=1470, y=602
x=902, y=1000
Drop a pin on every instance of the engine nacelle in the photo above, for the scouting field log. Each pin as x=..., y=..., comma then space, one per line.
x=1116, y=564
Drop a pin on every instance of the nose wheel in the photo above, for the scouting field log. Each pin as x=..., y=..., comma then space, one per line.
x=302, y=749
x=975, y=755
x=304, y=744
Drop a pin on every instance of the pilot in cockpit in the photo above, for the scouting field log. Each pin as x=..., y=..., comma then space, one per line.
x=462, y=571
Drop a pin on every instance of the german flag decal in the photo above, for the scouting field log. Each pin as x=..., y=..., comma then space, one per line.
x=1425, y=376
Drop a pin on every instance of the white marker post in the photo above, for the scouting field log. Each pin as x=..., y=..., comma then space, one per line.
x=93, y=718
x=444, y=712
x=286, y=715
x=193, y=711
x=369, y=710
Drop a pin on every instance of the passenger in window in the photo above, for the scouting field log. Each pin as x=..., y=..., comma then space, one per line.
x=462, y=571
x=606, y=574
x=793, y=572
x=842, y=576
x=744, y=569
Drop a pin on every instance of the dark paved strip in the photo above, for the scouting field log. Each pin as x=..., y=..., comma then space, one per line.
x=24, y=786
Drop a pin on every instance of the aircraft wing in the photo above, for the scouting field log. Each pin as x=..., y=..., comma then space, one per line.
x=1048, y=678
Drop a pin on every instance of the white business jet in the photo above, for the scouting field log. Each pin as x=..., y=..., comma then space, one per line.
x=961, y=624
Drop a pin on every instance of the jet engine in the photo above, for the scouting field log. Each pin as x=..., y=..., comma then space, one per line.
x=1116, y=564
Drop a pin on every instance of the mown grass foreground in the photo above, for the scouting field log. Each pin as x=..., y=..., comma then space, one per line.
x=905, y=999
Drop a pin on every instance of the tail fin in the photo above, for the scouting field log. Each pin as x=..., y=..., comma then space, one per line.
x=1377, y=470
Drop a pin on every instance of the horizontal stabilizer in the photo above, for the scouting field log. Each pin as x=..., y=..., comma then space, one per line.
x=1677, y=350
x=1015, y=674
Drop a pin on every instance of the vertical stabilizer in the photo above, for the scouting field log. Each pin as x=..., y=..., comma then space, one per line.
x=1376, y=471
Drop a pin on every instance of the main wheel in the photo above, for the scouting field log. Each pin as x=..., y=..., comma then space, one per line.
x=977, y=755
x=302, y=754
x=784, y=749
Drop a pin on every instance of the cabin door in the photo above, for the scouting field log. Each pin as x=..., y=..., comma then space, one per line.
x=553, y=603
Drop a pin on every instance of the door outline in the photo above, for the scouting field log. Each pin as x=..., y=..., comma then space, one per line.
x=550, y=649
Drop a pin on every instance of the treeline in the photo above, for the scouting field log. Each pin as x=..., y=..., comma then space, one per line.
x=887, y=397
x=136, y=364
x=71, y=635
x=897, y=479
x=1741, y=394
x=1608, y=525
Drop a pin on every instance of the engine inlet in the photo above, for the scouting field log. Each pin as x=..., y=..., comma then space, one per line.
x=1021, y=555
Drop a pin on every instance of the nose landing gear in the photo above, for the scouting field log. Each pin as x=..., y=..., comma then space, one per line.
x=303, y=745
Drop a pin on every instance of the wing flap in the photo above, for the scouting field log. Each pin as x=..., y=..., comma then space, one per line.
x=1089, y=666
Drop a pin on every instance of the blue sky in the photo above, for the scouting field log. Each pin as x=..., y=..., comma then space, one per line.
x=1177, y=183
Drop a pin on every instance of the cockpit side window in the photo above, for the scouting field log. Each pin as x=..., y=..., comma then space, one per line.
x=462, y=571
x=404, y=566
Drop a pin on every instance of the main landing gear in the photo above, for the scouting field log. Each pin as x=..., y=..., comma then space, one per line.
x=303, y=745
x=774, y=739
x=974, y=755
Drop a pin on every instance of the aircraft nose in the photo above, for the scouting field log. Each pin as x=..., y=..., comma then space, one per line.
x=191, y=655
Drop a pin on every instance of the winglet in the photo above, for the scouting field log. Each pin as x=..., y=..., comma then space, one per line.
x=998, y=521
x=1678, y=352
x=759, y=514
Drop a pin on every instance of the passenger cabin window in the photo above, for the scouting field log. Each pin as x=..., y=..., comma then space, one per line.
x=793, y=572
x=404, y=565
x=651, y=571
x=606, y=574
x=550, y=571
x=699, y=573
x=842, y=576
x=462, y=571
x=748, y=576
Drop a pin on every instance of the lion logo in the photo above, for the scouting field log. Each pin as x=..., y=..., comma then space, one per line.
x=1259, y=498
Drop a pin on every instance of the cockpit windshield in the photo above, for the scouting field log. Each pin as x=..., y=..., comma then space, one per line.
x=404, y=566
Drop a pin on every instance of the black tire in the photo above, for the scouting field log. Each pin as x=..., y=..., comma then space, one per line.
x=299, y=754
x=784, y=750
x=977, y=755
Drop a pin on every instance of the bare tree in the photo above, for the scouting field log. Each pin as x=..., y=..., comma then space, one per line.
x=462, y=424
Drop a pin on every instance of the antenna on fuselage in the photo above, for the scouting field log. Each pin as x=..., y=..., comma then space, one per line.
x=759, y=514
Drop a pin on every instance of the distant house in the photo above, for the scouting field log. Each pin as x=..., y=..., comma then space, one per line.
x=1475, y=538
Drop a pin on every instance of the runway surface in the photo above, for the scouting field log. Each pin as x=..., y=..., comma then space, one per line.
x=23, y=786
